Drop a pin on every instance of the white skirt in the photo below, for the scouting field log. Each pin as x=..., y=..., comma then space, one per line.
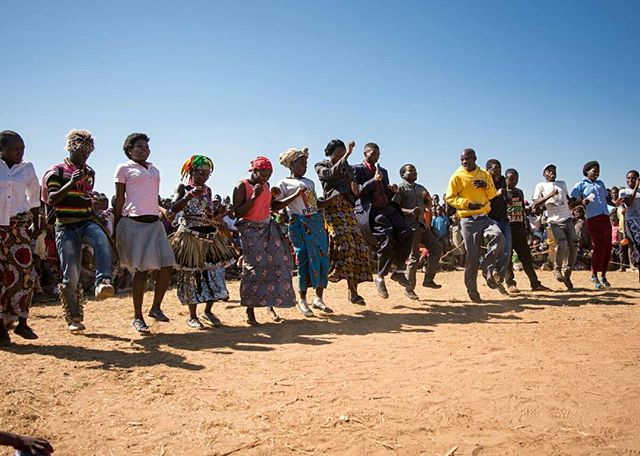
x=143, y=246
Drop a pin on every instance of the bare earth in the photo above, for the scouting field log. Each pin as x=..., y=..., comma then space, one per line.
x=537, y=373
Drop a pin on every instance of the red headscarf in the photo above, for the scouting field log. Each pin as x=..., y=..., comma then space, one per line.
x=260, y=163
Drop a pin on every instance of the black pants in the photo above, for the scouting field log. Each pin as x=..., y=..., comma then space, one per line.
x=394, y=237
x=521, y=246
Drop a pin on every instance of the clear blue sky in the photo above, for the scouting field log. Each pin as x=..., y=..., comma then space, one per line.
x=525, y=82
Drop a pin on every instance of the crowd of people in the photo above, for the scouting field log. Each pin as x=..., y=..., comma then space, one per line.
x=61, y=239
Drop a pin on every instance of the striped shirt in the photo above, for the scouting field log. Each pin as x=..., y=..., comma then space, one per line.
x=77, y=203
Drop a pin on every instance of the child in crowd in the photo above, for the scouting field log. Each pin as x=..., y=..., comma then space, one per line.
x=266, y=264
x=631, y=199
x=140, y=236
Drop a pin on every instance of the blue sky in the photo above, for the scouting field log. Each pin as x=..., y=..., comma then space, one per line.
x=525, y=82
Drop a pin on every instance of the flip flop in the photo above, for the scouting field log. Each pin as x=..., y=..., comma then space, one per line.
x=158, y=315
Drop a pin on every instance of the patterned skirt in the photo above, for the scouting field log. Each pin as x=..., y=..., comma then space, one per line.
x=348, y=250
x=311, y=247
x=266, y=266
x=195, y=287
x=633, y=234
x=17, y=273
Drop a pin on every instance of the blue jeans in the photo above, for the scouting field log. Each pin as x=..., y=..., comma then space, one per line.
x=69, y=241
x=473, y=231
x=503, y=261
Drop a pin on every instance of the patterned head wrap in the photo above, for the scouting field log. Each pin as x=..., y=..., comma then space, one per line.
x=195, y=161
x=79, y=141
x=260, y=163
x=290, y=155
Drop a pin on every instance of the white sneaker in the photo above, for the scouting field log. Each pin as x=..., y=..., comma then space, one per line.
x=304, y=308
x=104, y=290
x=76, y=326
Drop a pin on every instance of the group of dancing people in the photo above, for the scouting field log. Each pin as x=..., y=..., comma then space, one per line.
x=361, y=216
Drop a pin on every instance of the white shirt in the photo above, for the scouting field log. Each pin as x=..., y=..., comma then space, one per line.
x=19, y=190
x=557, y=206
x=142, y=187
x=632, y=211
x=302, y=205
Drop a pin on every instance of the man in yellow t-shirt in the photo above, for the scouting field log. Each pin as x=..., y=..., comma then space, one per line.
x=469, y=191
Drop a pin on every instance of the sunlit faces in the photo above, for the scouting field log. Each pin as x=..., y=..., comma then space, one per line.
x=140, y=150
x=80, y=156
x=299, y=166
x=409, y=173
x=200, y=175
x=550, y=173
x=632, y=179
x=13, y=152
x=468, y=159
x=262, y=176
x=512, y=179
x=593, y=173
x=372, y=155
x=495, y=170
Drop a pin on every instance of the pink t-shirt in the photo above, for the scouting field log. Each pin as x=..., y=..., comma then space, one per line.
x=142, y=186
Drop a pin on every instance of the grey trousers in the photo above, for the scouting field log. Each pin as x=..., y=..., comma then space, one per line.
x=567, y=240
x=473, y=231
x=425, y=236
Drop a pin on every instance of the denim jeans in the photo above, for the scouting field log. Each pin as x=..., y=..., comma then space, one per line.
x=503, y=262
x=473, y=231
x=69, y=241
x=565, y=234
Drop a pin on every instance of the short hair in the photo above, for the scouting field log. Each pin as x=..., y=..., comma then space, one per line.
x=7, y=137
x=511, y=171
x=79, y=140
x=492, y=162
x=469, y=150
x=131, y=140
x=332, y=146
x=371, y=145
x=404, y=168
x=588, y=165
x=634, y=171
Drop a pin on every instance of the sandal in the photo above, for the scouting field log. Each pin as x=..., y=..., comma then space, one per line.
x=158, y=315
x=357, y=299
x=195, y=323
x=141, y=327
x=274, y=316
x=211, y=318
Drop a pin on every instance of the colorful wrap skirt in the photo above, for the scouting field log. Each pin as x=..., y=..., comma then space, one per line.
x=311, y=247
x=17, y=273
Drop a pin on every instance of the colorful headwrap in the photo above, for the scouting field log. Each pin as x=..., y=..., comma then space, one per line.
x=260, y=163
x=290, y=155
x=195, y=161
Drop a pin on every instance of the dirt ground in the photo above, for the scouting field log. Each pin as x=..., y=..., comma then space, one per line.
x=534, y=373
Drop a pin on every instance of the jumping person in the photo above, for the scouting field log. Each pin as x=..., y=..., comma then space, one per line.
x=140, y=236
x=67, y=187
x=306, y=229
x=414, y=201
x=592, y=194
x=394, y=237
x=348, y=250
x=20, y=194
x=498, y=214
x=266, y=262
x=553, y=195
x=470, y=191
x=200, y=248
x=631, y=199
x=515, y=202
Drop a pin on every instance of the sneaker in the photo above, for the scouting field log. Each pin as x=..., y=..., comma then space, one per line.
x=104, y=290
x=319, y=304
x=304, y=308
x=381, y=287
x=195, y=323
x=558, y=275
x=431, y=284
x=475, y=296
x=411, y=295
x=23, y=330
x=512, y=289
x=76, y=326
x=605, y=283
x=215, y=321
x=540, y=287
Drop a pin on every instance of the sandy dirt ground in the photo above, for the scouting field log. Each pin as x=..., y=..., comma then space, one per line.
x=535, y=373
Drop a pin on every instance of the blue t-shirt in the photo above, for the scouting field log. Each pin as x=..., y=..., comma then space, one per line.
x=440, y=226
x=585, y=188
